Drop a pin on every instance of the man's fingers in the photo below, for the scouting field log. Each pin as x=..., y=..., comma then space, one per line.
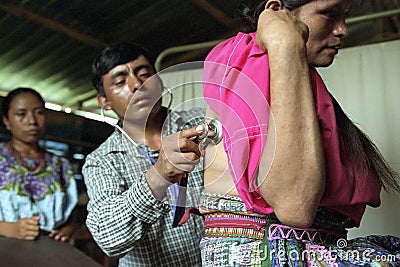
x=192, y=132
x=188, y=146
x=179, y=154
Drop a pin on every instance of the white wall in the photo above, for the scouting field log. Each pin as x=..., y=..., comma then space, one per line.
x=366, y=82
x=185, y=82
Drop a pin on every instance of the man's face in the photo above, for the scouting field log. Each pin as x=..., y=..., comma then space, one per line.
x=129, y=87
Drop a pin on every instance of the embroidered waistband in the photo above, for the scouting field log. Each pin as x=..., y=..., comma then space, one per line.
x=234, y=225
x=279, y=231
x=227, y=216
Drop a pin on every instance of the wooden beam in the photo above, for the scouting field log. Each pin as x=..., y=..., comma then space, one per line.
x=216, y=13
x=54, y=25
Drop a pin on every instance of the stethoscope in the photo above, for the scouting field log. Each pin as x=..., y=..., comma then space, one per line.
x=212, y=130
x=212, y=135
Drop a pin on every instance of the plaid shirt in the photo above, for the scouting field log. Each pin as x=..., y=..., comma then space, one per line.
x=124, y=217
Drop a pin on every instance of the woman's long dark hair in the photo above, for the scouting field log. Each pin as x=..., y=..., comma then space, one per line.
x=362, y=152
x=249, y=11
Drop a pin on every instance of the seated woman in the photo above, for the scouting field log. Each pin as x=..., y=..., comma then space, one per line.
x=293, y=172
x=37, y=190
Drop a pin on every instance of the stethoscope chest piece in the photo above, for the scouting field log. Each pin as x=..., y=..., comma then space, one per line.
x=212, y=132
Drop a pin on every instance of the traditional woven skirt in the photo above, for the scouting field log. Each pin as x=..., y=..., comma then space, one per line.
x=237, y=237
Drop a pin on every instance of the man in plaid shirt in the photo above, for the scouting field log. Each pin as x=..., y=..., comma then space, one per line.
x=130, y=210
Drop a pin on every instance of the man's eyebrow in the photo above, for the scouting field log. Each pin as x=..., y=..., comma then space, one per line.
x=135, y=70
x=118, y=73
x=143, y=66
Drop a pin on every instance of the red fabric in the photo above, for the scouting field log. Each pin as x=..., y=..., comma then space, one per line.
x=236, y=87
x=186, y=215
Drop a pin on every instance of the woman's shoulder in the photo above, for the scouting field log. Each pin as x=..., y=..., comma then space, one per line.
x=3, y=145
x=55, y=159
x=235, y=52
x=4, y=151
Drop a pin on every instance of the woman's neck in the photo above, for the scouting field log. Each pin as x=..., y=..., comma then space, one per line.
x=26, y=150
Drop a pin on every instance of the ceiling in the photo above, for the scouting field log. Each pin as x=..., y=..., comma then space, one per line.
x=49, y=44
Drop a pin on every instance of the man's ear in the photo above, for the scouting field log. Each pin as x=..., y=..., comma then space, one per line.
x=6, y=122
x=274, y=4
x=102, y=101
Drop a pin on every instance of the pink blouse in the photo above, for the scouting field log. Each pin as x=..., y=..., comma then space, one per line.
x=236, y=87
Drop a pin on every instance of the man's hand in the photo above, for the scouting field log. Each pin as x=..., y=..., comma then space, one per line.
x=179, y=154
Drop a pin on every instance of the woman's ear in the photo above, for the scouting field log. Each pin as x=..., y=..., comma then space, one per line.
x=102, y=101
x=274, y=4
x=6, y=122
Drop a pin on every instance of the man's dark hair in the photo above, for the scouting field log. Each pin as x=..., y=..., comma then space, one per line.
x=114, y=55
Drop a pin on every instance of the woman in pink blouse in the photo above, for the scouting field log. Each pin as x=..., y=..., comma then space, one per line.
x=293, y=172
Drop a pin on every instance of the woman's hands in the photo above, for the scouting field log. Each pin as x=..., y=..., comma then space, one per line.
x=29, y=229
x=26, y=228
x=278, y=29
x=63, y=234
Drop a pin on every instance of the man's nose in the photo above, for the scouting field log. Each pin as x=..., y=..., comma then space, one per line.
x=134, y=83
